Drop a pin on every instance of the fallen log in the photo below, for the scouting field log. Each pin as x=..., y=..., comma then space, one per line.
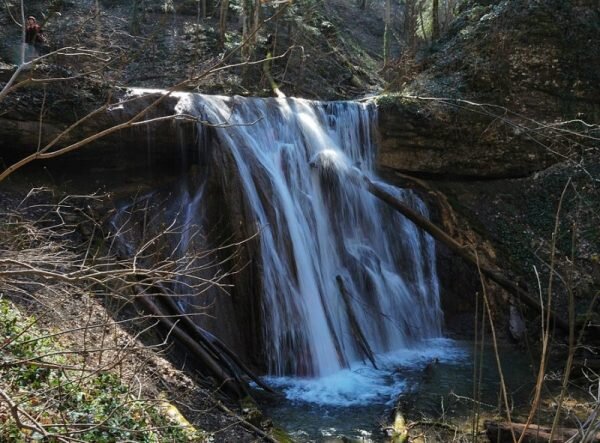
x=336, y=341
x=212, y=343
x=219, y=361
x=225, y=379
x=501, y=433
x=463, y=251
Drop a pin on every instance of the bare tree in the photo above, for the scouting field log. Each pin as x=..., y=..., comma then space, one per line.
x=223, y=14
x=386, y=32
x=54, y=149
x=409, y=23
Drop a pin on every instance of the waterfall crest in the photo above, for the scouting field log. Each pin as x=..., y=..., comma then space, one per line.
x=343, y=278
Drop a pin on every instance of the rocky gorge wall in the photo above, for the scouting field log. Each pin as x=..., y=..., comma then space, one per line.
x=435, y=139
x=416, y=136
x=459, y=144
x=505, y=92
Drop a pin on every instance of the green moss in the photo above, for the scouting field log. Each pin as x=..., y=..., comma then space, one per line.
x=400, y=434
x=68, y=399
x=391, y=101
x=281, y=436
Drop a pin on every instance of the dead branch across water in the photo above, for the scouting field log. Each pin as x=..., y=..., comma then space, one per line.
x=463, y=251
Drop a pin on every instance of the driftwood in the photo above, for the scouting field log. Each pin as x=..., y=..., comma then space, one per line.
x=354, y=325
x=245, y=423
x=336, y=341
x=501, y=433
x=465, y=252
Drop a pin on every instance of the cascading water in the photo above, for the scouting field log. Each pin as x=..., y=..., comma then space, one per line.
x=348, y=291
x=344, y=279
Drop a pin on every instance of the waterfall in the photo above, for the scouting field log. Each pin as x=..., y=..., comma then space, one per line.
x=342, y=276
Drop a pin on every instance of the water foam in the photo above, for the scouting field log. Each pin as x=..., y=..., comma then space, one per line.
x=362, y=384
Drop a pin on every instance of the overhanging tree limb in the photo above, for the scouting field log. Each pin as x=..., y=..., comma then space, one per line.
x=138, y=119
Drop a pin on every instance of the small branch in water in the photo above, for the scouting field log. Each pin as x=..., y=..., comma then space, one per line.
x=257, y=431
x=336, y=341
x=354, y=325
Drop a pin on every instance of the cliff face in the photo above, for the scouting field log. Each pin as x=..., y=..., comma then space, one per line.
x=532, y=63
x=539, y=58
x=317, y=50
x=450, y=139
x=502, y=168
x=59, y=118
x=506, y=75
x=502, y=116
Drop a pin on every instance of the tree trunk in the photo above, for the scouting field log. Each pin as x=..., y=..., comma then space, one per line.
x=435, y=20
x=136, y=17
x=386, y=32
x=223, y=22
x=360, y=338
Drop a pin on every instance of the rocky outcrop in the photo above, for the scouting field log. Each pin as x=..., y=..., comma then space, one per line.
x=507, y=76
x=539, y=58
x=151, y=169
x=34, y=117
x=417, y=136
x=436, y=139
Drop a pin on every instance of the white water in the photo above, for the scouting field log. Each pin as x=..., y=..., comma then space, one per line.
x=293, y=158
x=361, y=384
